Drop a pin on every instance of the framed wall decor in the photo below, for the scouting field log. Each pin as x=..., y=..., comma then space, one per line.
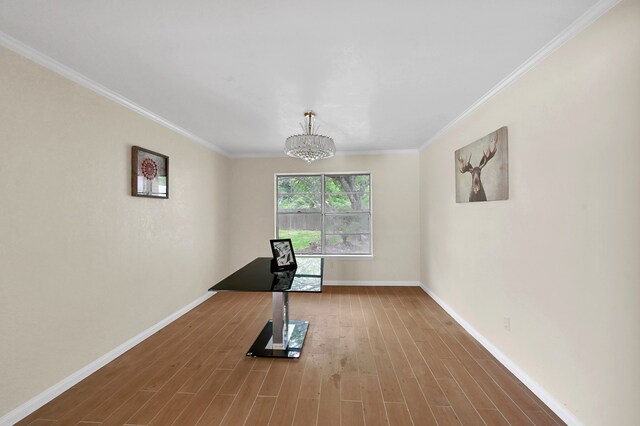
x=149, y=173
x=283, y=255
x=482, y=169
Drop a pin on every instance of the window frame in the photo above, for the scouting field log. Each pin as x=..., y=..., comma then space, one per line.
x=323, y=213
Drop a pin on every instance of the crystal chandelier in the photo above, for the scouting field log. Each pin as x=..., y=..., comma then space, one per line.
x=309, y=146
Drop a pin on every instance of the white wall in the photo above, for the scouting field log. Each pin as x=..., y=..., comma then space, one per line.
x=561, y=256
x=83, y=265
x=396, y=222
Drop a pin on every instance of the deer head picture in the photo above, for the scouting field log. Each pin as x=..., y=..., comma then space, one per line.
x=496, y=185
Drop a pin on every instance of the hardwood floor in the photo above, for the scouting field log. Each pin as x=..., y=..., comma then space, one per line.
x=373, y=356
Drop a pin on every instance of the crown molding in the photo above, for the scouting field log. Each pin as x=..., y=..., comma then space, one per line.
x=588, y=18
x=379, y=152
x=338, y=153
x=576, y=27
x=55, y=66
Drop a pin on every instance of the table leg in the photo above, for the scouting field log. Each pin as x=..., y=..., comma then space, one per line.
x=280, y=337
x=280, y=320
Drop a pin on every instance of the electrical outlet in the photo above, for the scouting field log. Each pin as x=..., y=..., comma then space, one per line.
x=507, y=323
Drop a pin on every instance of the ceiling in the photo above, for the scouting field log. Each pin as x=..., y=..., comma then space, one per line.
x=380, y=75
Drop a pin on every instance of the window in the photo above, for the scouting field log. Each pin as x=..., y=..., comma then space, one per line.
x=327, y=214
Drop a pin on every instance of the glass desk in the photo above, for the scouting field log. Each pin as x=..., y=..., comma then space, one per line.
x=280, y=337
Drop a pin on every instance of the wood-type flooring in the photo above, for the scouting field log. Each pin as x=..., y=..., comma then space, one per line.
x=373, y=356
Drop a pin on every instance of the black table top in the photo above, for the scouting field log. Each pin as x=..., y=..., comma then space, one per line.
x=257, y=276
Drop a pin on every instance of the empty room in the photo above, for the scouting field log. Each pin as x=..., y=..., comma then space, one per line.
x=336, y=213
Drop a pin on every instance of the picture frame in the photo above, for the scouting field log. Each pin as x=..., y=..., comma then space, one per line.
x=149, y=173
x=474, y=181
x=284, y=257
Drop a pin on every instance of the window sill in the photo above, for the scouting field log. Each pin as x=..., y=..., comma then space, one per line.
x=339, y=256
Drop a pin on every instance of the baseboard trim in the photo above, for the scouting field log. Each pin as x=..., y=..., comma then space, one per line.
x=374, y=283
x=562, y=411
x=38, y=401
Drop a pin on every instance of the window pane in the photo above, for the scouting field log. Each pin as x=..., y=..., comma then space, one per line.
x=348, y=244
x=291, y=184
x=338, y=217
x=347, y=193
x=299, y=193
x=299, y=203
x=347, y=223
x=305, y=231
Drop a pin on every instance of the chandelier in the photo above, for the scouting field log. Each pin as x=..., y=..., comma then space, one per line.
x=309, y=146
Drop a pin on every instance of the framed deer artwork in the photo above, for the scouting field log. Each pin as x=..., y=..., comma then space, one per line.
x=482, y=169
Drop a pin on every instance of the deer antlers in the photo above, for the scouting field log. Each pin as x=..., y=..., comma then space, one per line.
x=465, y=166
x=488, y=155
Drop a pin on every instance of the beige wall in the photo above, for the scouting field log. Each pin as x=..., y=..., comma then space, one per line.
x=395, y=198
x=561, y=257
x=83, y=265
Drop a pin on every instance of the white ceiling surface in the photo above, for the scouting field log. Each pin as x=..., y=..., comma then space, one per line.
x=381, y=75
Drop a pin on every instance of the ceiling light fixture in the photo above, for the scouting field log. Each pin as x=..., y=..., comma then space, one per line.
x=309, y=146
